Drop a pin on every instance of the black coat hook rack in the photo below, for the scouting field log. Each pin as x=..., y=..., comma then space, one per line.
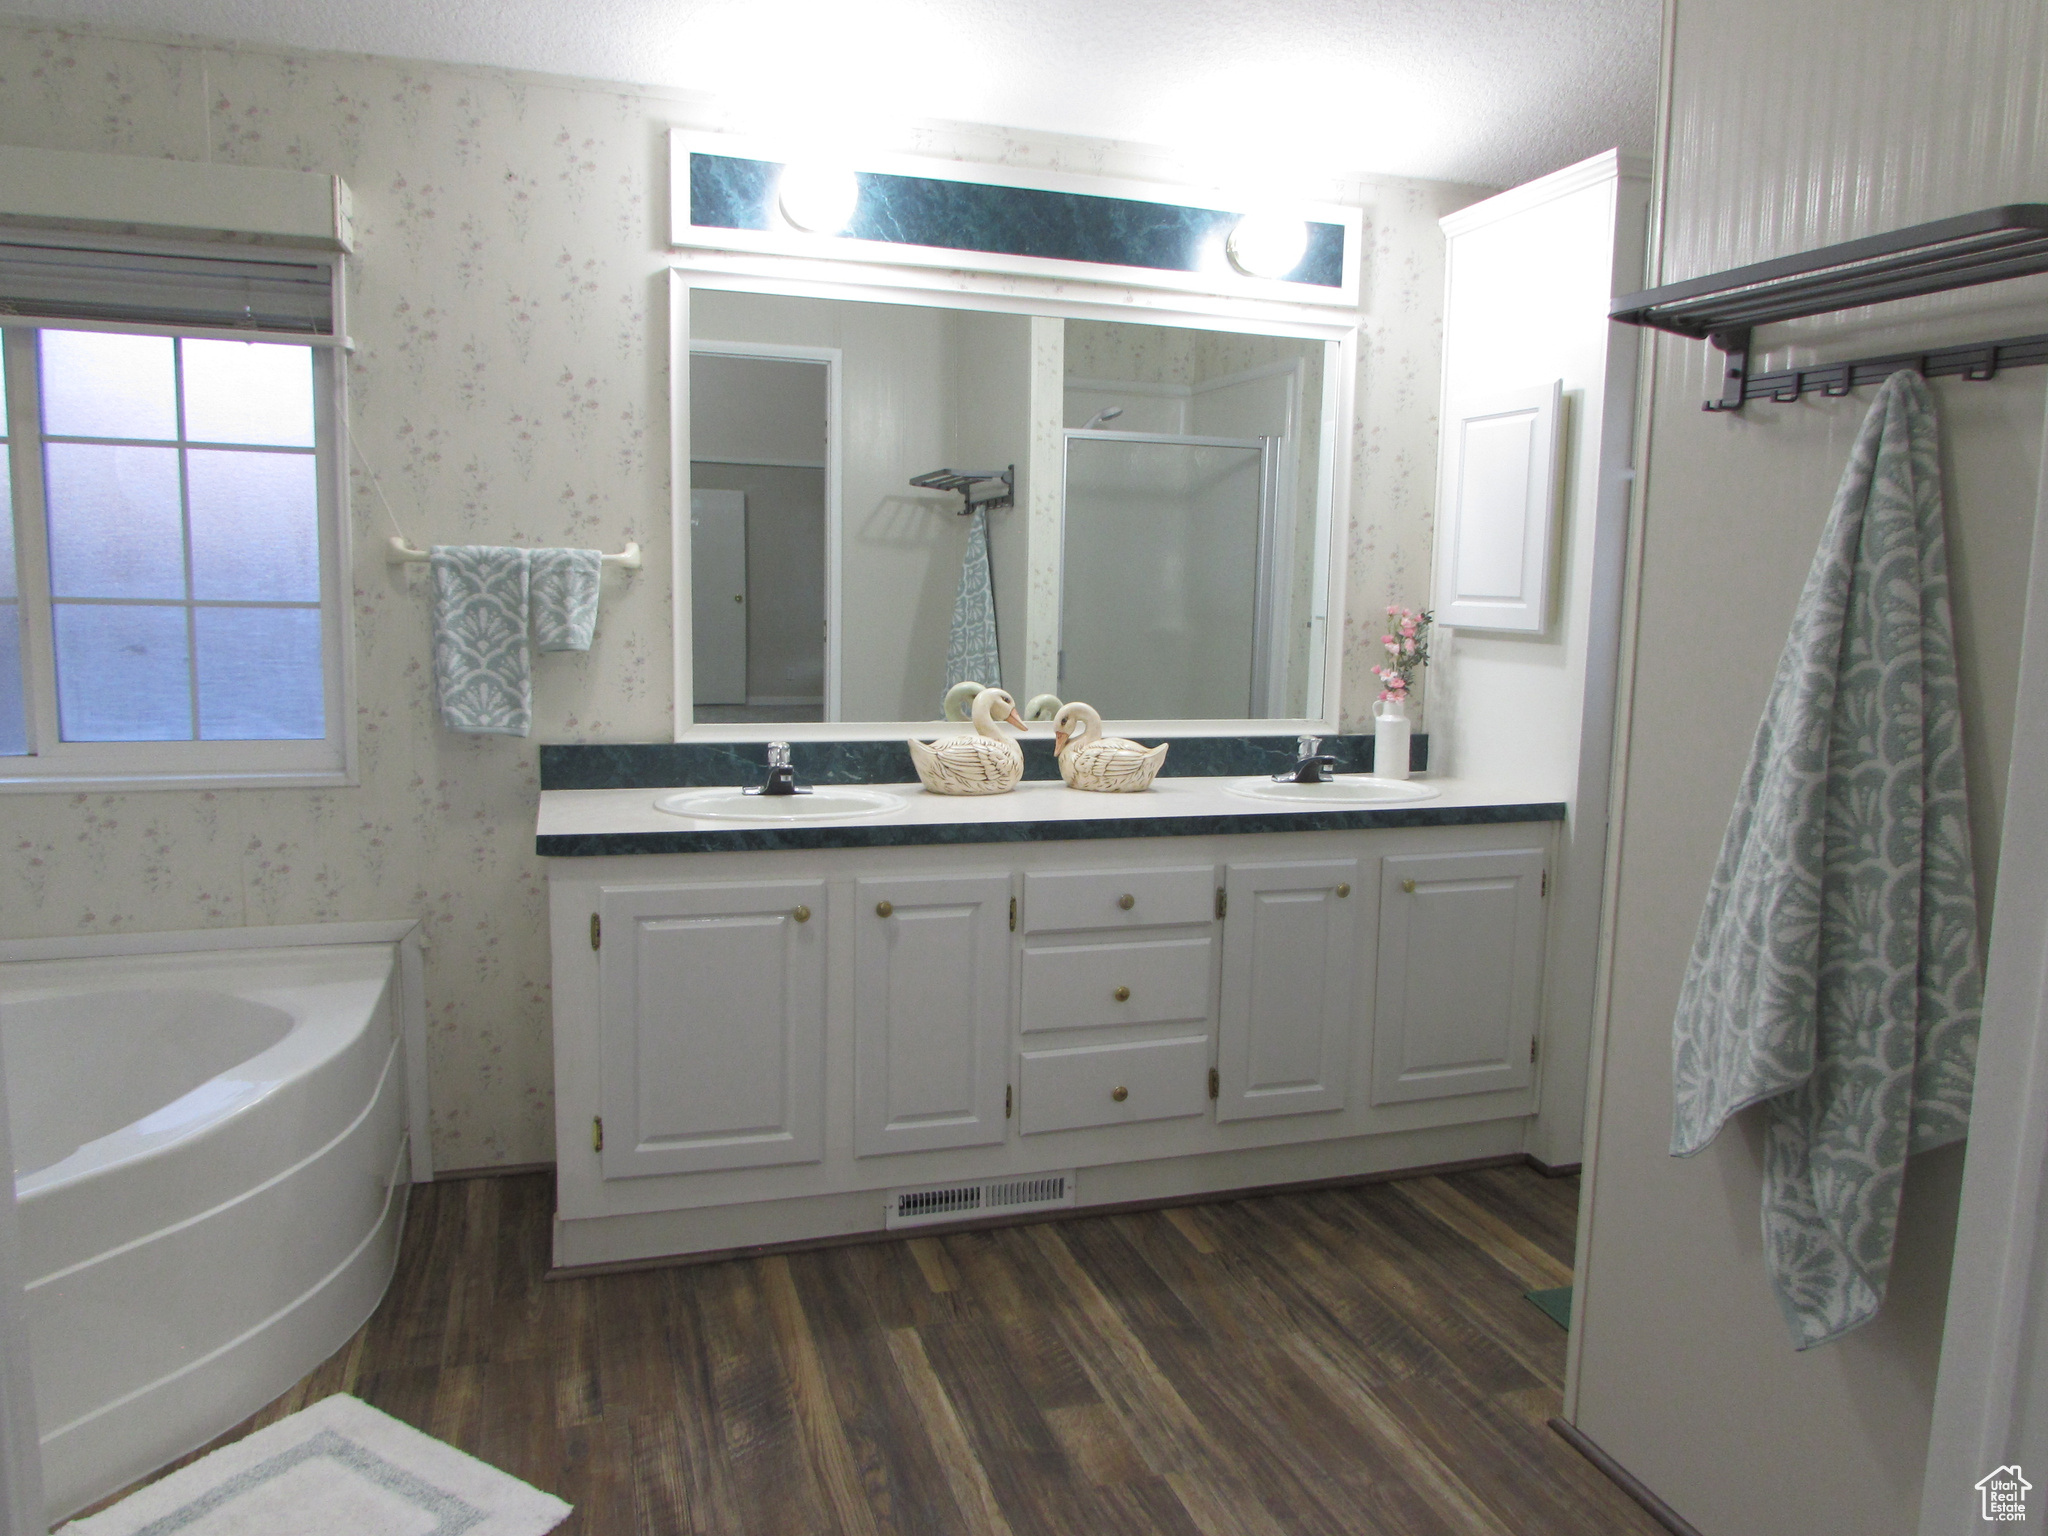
x=965, y=480
x=1725, y=308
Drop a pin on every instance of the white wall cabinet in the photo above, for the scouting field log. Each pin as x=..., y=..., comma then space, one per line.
x=1529, y=275
x=931, y=1012
x=713, y=1022
x=1459, y=974
x=1291, y=969
x=777, y=1044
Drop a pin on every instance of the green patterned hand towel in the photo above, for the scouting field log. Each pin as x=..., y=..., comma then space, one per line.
x=563, y=595
x=481, y=668
x=488, y=600
x=1836, y=974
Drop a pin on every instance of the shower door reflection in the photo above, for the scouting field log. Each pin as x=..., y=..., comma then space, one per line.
x=1169, y=606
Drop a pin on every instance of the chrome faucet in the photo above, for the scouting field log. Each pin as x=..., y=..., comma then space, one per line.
x=1312, y=767
x=781, y=776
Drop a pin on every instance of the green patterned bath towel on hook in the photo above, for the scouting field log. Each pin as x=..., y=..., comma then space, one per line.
x=972, y=654
x=1836, y=974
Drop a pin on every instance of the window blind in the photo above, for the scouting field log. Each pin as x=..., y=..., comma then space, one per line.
x=273, y=291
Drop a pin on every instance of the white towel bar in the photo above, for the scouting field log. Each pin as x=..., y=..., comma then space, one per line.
x=402, y=553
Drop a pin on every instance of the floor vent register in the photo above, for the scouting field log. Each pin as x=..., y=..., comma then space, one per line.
x=987, y=1197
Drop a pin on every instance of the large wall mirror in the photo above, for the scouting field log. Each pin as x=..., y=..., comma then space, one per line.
x=1162, y=549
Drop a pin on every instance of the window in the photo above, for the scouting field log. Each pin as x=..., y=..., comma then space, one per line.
x=169, y=568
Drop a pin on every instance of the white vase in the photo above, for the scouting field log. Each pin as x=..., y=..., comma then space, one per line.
x=1390, y=739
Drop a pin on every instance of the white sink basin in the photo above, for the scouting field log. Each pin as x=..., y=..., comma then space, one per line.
x=1347, y=791
x=834, y=804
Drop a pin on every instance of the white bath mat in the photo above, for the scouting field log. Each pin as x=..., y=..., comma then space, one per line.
x=340, y=1468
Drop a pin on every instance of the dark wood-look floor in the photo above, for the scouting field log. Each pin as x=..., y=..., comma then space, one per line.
x=1353, y=1360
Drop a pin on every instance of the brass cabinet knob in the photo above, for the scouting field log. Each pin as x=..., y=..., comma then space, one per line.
x=1119, y=1093
x=802, y=914
x=1127, y=901
x=1344, y=888
x=739, y=597
x=1122, y=994
x=1408, y=886
x=883, y=909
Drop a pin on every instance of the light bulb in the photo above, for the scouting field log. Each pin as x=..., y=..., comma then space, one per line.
x=818, y=199
x=1267, y=244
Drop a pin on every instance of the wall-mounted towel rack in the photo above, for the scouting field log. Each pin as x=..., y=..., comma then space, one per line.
x=398, y=552
x=965, y=480
x=1725, y=307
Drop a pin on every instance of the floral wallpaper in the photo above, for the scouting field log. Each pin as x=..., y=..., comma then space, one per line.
x=509, y=386
x=1393, y=453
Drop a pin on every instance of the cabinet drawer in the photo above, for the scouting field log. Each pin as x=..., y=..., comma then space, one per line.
x=1071, y=1089
x=1078, y=986
x=1119, y=898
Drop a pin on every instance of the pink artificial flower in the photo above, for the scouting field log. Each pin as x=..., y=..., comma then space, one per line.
x=1408, y=646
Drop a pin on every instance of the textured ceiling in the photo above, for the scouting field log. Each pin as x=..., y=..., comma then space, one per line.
x=1487, y=91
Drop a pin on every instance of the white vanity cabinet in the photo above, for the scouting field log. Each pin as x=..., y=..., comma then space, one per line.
x=776, y=1046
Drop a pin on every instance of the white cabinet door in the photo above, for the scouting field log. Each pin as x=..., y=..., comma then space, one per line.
x=1290, y=962
x=713, y=1004
x=1460, y=973
x=1499, y=495
x=931, y=1010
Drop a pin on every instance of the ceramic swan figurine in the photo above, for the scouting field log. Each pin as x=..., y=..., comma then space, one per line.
x=986, y=763
x=1043, y=706
x=961, y=695
x=958, y=697
x=1106, y=764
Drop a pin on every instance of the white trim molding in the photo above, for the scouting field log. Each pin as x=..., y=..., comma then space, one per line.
x=1990, y=1355
x=955, y=289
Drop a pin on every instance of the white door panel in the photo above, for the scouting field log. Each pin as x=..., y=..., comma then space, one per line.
x=713, y=1003
x=1290, y=959
x=1499, y=495
x=1460, y=973
x=718, y=592
x=931, y=1012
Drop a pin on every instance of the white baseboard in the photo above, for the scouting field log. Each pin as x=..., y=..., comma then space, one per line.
x=612, y=1240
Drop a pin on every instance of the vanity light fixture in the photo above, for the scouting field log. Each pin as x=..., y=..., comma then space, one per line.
x=1267, y=245
x=818, y=199
x=757, y=198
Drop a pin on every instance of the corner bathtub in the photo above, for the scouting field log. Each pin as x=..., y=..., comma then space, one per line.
x=210, y=1165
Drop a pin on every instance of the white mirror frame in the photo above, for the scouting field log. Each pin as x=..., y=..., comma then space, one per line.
x=796, y=277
